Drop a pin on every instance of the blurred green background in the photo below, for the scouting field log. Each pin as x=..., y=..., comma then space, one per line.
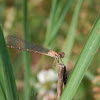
x=12, y=20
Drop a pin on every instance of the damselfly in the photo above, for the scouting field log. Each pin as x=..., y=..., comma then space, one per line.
x=15, y=42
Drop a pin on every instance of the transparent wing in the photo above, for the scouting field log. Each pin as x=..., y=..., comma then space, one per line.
x=15, y=42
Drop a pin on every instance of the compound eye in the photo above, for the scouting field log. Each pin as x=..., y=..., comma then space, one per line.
x=62, y=54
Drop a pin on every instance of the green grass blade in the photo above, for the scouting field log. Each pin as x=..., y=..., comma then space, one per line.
x=26, y=57
x=2, y=91
x=60, y=20
x=59, y=7
x=71, y=34
x=2, y=96
x=83, y=62
x=53, y=9
x=7, y=72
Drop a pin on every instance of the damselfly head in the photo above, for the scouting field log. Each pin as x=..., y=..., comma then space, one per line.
x=62, y=54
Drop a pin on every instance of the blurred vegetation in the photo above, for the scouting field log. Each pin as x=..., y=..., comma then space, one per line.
x=38, y=17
